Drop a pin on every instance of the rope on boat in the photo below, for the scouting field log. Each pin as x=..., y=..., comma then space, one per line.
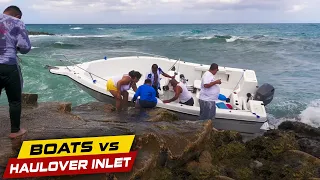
x=239, y=81
x=90, y=73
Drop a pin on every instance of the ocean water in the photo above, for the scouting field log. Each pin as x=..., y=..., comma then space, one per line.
x=284, y=55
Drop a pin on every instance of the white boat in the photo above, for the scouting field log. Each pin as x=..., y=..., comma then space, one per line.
x=248, y=114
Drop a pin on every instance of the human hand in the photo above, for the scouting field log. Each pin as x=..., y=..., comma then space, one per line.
x=218, y=81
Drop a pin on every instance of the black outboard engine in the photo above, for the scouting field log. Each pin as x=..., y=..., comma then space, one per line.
x=265, y=93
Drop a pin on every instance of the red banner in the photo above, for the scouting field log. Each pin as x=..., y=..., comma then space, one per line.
x=70, y=165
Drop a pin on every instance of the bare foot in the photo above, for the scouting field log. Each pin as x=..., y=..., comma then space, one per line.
x=17, y=134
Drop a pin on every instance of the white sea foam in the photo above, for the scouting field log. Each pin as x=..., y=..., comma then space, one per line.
x=76, y=28
x=32, y=36
x=233, y=39
x=311, y=115
x=74, y=36
x=34, y=47
x=59, y=42
x=206, y=37
x=87, y=36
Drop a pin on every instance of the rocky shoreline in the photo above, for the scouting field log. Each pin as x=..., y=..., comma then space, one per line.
x=169, y=148
x=39, y=33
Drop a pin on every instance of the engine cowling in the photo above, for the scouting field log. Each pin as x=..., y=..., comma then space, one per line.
x=265, y=93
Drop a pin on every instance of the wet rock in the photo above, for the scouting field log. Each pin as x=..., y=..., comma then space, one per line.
x=162, y=115
x=307, y=136
x=160, y=154
x=256, y=164
x=272, y=144
x=306, y=156
x=223, y=178
x=110, y=108
x=29, y=100
x=300, y=128
x=310, y=146
x=205, y=157
x=64, y=107
x=201, y=171
x=290, y=165
x=39, y=33
x=169, y=148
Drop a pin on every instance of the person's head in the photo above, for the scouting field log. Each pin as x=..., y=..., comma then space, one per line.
x=135, y=76
x=154, y=68
x=147, y=82
x=13, y=11
x=214, y=68
x=174, y=82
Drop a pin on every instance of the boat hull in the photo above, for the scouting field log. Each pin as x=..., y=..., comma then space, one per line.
x=250, y=128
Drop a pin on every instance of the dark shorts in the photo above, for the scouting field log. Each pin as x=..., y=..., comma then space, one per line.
x=190, y=102
x=147, y=104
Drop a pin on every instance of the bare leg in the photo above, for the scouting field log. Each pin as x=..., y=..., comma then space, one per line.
x=124, y=102
x=118, y=101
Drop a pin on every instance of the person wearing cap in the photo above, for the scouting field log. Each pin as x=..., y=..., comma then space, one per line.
x=181, y=93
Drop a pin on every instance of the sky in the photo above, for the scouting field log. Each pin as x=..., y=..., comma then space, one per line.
x=166, y=11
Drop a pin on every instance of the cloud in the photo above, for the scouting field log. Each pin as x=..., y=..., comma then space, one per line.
x=297, y=8
x=162, y=11
x=134, y=5
x=5, y=1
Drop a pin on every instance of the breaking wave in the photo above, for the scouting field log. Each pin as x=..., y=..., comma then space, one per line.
x=76, y=28
x=217, y=38
x=33, y=36
x=311, y=115
x=62, y=45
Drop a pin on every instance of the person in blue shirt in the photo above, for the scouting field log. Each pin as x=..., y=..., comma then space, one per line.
x=147, y=95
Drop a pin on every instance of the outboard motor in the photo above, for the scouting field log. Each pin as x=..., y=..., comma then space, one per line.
x=265, y=93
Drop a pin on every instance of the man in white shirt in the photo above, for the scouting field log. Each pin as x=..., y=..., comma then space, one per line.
x=181, y=93
x=209, y=93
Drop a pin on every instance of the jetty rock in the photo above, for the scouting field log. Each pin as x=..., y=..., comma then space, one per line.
x=39, y=33
x=168, y=147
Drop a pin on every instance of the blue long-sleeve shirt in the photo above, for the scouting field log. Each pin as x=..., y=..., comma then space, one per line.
x=13, y=38
x=146, y=93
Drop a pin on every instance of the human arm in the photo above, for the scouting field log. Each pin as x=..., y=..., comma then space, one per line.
x=165, y=74
x=23, y=41
x=212, y=83
x=124, y=81
x=134, y=87
x=208, y=80
x=136, y=95
x=178, y=91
